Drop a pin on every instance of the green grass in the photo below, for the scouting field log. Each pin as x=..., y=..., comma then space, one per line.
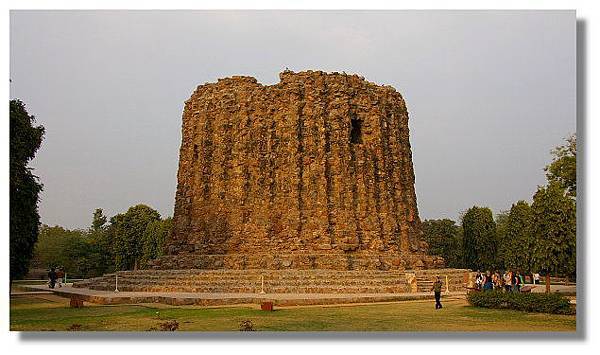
x=52, y=313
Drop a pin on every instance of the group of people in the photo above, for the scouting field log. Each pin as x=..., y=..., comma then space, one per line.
x=55, y=277
x=509, y=281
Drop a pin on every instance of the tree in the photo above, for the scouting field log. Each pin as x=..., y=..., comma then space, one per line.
x=98, y=221
x=60, y=247
x=563, y=169
x=101, y=255
x=25, y=140
x=445, y=239
x=479, y=238
x=554, y=231
x=501, y=231
x=517, y=243
x=127, y=232
x=154, y=238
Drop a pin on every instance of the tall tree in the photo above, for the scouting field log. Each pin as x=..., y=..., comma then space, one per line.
x=127, y=232
x=98, y=220
x=479, y=238
x=101, y=253
x=517, y=243
x=445, y=239
x=501, y=231
x=25, y=140
x=554, y=231
x=563, y=169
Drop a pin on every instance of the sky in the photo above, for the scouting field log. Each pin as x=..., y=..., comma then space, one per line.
x=489, y=94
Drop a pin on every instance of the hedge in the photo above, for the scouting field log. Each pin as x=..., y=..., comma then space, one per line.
x=528, y=302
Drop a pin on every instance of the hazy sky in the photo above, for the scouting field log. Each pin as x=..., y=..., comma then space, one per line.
x=489, y=94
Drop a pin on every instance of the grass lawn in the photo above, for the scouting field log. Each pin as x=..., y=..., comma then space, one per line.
x=49, y=312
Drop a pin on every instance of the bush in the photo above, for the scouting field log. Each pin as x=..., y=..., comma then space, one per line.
x=246, y=325
x=528, y=302
x=168, y=326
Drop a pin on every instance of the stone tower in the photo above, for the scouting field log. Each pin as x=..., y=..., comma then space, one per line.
x=312, y=172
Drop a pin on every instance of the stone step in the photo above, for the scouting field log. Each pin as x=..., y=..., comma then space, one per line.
x=275, y=281
x=255, y=280
x=291, y=271
x=268, y=282
x=275, y=278
x=256, y=271
x=295, y=280
x=237, y=279
x=248, y=283
x=272, y=275
x=257, y=289
x=251, y=283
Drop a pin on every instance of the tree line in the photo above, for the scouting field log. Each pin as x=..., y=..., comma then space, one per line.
x=126, y=241
x=536, y=237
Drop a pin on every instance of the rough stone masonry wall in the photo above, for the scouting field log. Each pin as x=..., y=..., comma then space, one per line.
x=312, y=172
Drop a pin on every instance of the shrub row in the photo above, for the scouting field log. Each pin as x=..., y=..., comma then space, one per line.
x=528, y=302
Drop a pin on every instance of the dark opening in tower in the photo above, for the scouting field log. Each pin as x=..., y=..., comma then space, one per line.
x=195, y=152
x=355, y=133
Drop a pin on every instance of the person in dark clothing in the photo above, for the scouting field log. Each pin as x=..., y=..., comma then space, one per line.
x=437, y=291
x=516, y=282
x=488, y=285
x=52, y=278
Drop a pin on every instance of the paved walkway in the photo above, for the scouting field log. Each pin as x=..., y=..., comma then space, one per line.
x=554, y=288
x=31, y=293
x=216, y=299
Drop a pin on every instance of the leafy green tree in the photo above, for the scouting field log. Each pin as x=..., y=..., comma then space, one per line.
x=445, y=239
x=127, y=232
x=563, y=169
x=479, y=238
x=59, y=247
x=98, y=221
x=154, y=238
x=25, y=140
x=501, y=231
x=554, y=231
x=101, y=254
x=517, y=243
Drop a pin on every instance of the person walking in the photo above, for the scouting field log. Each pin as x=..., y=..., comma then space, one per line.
x=437, y=292
x=60, y=274
x=51, y=278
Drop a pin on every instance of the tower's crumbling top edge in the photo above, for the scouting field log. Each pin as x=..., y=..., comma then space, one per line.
x=288, y=76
